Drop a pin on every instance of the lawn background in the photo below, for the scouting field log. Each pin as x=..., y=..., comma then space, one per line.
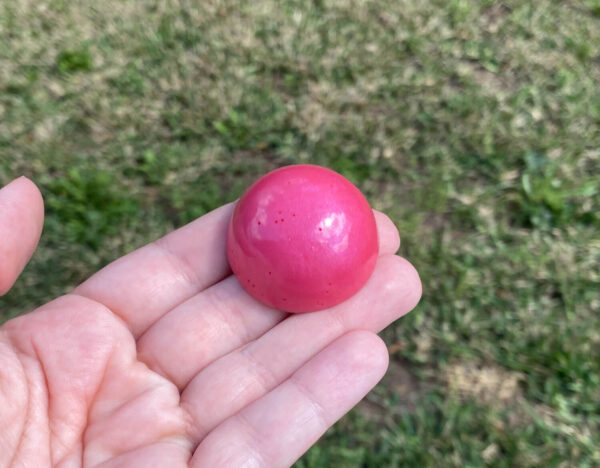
x=473, y=124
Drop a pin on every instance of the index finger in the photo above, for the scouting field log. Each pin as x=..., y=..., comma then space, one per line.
x=141, y=286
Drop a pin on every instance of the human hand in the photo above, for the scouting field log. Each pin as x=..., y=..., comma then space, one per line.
x=161, y=358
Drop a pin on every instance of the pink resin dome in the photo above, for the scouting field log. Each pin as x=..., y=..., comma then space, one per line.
x=302, y=238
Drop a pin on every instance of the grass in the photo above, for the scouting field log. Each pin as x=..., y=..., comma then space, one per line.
x=474, y=124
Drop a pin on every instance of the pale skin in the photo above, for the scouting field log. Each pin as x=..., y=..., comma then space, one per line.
x=161, y=359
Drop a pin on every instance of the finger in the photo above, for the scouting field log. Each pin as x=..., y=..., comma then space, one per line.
x=143, y=285
x=21, y=221
x=217, y=321
x=277, y=429
x=239, y=378
x=389, y=238
x=205, y=327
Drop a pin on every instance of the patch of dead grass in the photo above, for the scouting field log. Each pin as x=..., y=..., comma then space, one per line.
x=488, y=384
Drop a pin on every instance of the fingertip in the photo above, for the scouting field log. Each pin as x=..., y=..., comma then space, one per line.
x=28, y=197
x=411, y=275
x=24, y=189
x=369, y=352
x=21, y=222
x=33, y=198
x=393, y=290
x=389, y=238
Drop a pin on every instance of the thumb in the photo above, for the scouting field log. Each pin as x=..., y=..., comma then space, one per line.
x=21, y=221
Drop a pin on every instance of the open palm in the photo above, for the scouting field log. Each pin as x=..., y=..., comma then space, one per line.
x=161, y=359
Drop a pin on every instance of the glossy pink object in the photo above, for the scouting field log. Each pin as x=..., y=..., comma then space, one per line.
x=302, y=238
